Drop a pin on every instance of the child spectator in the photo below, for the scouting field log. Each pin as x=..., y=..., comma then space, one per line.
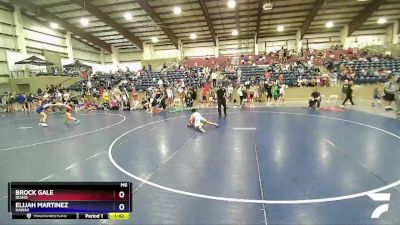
x=114, y=104
x=135, y=102
x=275, y=92
x=378, y=92
x=204, y=95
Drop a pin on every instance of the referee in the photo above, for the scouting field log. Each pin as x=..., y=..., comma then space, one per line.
x=221, y=99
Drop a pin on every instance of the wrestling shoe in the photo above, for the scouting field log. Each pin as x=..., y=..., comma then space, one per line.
x=77, y=121
x=44, y=125
x=202, y=130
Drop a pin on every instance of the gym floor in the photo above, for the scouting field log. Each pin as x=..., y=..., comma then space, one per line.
x=261, y=166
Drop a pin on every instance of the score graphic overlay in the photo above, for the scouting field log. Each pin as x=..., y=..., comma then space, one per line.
x=70, y=200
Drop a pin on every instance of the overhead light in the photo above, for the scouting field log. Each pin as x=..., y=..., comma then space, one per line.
x=268, y=6
x=235, y=32
x=362, y=0
x=54, y=26
x=84, y=22
x=329, y=24
x=231, y=4
x=128, y=16
x=193, y=36
x=154, y=39
x=280, y=28
x=381, y=20
x=177, y=10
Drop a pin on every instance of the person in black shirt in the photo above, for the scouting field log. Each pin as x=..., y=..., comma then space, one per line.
x=221, y=100
x=315, y=99
x=349, y=94
x=268, y=91
x=193, y=93
x=29, y=101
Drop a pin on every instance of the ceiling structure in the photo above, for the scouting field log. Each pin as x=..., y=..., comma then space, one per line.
x=207, y=19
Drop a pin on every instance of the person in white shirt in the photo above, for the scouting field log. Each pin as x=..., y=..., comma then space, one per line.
x=239, y=74
x=198, y=121
x=160, y=83
x=282, y=94
x=334, y=78
x=170, y=96
x=66, y=97
x=89, y=84
x=230, y=92
x=299, y=81
x=214, y=79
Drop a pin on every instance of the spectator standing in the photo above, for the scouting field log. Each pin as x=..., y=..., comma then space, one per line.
x=214, y=78
x=239, y=74
x=280, y=78
x=282, y=94
x=20, y=99
x=240, y=93
x=267, y=75
x=193, y=94
x=160, y=83
x=135, y=101
x=66, y=96
x=181, y=92
x=244, y=96
x=10, y=104
x=378, y=92
x=268, y=91
x=58, y=96
x=125, y=100
x=251, y=96
x=3, y=101
x=29, y=101
x=390, y=89
x=275, y=92
x=204, y=95
x=334, y=78
x=170, y=96
x=230, y=92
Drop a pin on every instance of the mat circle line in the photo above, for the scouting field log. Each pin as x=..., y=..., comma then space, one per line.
x=257, y=201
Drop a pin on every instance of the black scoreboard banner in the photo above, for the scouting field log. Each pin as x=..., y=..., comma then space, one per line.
x=69, y=200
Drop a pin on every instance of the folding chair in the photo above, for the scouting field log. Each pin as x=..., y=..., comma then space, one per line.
x=323, y=100
x=178, y=107
x=332, y=100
